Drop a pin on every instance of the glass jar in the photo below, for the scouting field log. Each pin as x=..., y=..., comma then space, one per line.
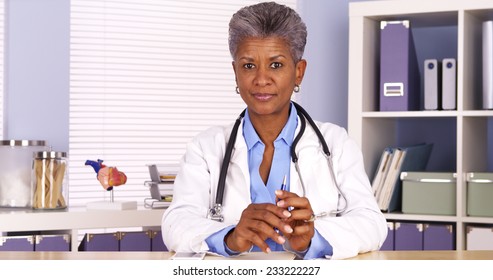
x=48, y=180
x=15, y=171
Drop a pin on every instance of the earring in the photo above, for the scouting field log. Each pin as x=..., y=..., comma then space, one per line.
x=296, y=88
x=237, y=90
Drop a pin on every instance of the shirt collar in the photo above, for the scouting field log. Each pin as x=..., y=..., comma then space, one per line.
x=287, y=133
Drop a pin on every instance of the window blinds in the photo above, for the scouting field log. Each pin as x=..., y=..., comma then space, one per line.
x=145, y=77
x=2, y=67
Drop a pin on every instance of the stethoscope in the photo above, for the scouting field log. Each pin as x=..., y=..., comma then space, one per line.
x=216, y=209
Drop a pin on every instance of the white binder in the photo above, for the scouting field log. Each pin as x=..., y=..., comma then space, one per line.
x=488, y=65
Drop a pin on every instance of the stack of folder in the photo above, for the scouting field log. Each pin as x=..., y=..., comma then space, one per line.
x=386, y=185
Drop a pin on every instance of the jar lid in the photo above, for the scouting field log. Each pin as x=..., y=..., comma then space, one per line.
x=49, y=154
x=22, y=143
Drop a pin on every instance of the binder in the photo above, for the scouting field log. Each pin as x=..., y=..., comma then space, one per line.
x=487, y=64
x=449, y=84
x=399, y=72
x=432, y=84
x=381, y=172
x=410, y=158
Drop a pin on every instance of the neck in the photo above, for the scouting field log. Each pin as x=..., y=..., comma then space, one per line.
x=268, y=127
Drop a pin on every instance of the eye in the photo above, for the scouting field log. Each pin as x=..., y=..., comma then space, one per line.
x=248, y=66
x=275, y=65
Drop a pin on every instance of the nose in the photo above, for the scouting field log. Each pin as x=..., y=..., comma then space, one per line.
x=262, y=77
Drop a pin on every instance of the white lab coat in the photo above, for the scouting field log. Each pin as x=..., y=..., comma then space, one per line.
x=360, y=228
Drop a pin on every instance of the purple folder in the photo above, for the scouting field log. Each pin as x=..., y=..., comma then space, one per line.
x=399, y=71
x=100, y=242
x=157, y=243
x=438, y=237
x=408, y=236
x=52, y=243
x=135, y=241
x=17, y=243
x=388, y=244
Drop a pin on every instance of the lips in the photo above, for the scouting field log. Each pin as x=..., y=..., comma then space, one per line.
x=263, y=96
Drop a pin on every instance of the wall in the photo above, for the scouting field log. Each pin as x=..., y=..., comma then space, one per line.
x=38, y=66
x=37, y=71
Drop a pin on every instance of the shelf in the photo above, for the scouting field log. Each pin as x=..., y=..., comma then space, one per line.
x=463, y=138
x=75, y=219
x=427, y=218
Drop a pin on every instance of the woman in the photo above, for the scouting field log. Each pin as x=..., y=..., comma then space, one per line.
x=326, y=209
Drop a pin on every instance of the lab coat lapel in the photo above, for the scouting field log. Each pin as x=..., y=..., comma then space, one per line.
x=237, y=193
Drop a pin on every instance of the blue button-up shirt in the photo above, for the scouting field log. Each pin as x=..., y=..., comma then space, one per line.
x=261, y=193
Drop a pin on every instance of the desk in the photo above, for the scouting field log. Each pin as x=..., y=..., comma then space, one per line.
x=426, y=255
x=377, y=255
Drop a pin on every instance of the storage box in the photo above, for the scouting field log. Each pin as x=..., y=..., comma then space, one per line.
x=479, y=238
x=100, y=242
x=17, y=243
x=480, y=194
x=432, y=193
x=51, y=243
x=135, y=241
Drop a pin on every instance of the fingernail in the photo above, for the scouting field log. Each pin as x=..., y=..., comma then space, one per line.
x=278, y=192
x=288, y=229
x=267, y=250
x=286, y=213
x=281, y=239
x=280, y=203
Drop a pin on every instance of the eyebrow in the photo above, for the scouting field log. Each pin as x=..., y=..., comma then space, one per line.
x=271, y=58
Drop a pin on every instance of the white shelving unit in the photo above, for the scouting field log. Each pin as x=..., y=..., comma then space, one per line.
x=72, y=221
x=460, y=134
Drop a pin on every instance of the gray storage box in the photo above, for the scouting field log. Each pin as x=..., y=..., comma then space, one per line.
x=432, y=193
x=480, y=194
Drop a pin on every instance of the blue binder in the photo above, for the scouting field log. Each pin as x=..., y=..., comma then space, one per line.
x=399, y=71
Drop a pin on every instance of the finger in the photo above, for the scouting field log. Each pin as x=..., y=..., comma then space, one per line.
x=294, y=202
x=303, y=229
x=304, y=215
x=242, y=239
x=284, y=194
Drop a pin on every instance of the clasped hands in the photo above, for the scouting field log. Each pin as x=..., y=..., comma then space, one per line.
x=258, y=222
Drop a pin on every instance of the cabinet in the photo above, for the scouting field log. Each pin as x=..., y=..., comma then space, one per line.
x=462, y=138
x=75, y=220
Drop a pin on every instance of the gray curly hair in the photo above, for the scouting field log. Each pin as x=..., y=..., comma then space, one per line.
x=268, y=19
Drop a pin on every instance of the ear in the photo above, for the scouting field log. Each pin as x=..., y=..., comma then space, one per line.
x=300, y=71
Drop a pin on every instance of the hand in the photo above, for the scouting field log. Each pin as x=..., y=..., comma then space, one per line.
x=303, y=229
x=257, y=223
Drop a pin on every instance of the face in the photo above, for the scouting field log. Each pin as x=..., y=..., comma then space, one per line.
x=266, y=75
